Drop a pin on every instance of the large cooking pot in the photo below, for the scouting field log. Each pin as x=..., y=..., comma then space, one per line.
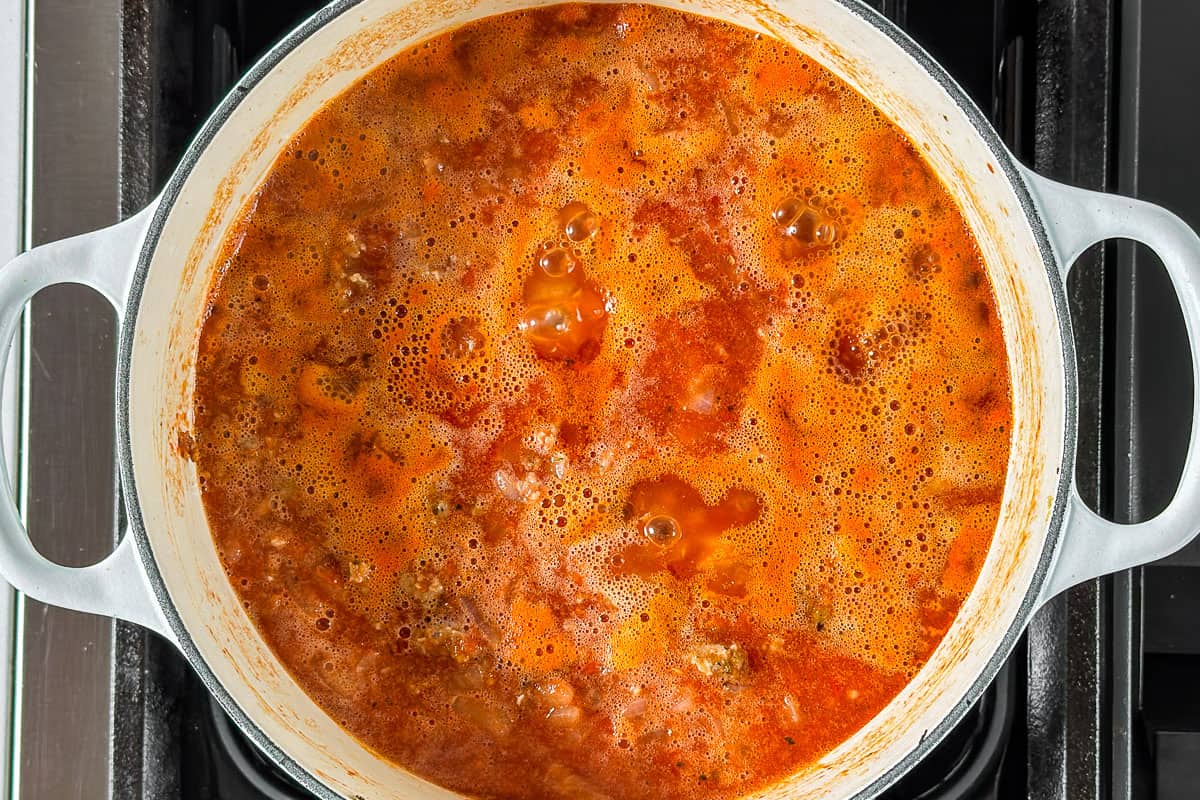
x=156, y=269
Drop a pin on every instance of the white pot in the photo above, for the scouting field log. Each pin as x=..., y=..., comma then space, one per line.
x=156, y=269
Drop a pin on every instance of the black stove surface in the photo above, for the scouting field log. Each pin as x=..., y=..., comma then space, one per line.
x=1065, y=717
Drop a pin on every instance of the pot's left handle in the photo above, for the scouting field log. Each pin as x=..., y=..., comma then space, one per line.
x=116, y=586
x=1077, y=219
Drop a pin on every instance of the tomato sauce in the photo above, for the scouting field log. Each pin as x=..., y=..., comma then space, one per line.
x=601, y=402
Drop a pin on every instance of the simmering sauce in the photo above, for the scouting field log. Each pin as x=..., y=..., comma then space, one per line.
x=601, y=402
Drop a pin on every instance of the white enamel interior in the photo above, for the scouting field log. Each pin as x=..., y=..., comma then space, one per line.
x=334, y=57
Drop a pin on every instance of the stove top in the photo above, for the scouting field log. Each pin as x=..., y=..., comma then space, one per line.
x=1098, y=700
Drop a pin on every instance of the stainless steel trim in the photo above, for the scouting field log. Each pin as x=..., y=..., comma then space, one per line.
x=72, y=497
x=12, y=122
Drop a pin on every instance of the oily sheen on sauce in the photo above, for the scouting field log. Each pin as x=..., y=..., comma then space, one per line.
x=601, y=402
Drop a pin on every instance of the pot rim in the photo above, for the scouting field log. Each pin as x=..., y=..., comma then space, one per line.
x=228, y=106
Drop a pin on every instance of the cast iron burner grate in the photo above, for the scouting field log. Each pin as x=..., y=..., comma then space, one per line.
x=199, y=51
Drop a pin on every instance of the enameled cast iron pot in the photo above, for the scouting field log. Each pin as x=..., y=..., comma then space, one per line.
x=156, y=268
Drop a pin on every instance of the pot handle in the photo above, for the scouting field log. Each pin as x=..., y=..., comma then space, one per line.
x=116, y=586
x=1076, y=219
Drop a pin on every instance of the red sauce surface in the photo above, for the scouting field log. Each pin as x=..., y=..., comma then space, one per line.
x=602, y=402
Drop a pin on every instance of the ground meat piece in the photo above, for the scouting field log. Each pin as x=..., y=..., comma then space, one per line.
x=426, y=587
x=443, y=641
x=719, y=659
x=358, y=570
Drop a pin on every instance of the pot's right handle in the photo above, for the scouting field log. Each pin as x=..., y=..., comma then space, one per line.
x=1076, y=219
x=116, y=586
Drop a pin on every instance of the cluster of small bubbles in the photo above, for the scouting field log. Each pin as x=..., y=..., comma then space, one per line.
x=578, y=222
x=801, y=221
x=924, y=263
x=565, y=314
x=462, y=337
x=556, y=261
